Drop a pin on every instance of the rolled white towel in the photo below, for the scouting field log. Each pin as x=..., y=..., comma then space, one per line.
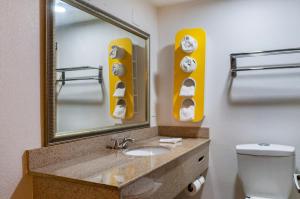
x=188, y=64
x=118, y=69
x=187, y=113
x=188, y=44
x=116, y=52
x=170, y=140
x=187, y=91
x=120, y=111
x=119, y=92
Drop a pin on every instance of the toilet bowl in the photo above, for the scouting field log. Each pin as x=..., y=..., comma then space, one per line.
x=266, y=170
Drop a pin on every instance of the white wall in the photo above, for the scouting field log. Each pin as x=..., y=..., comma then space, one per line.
x=260, y=107
x=20, y=126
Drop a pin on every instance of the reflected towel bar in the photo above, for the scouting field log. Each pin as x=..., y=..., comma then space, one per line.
x=63, y=71
x=63, y=78
x=234, y=69
x=77, y=68
x=79, y=78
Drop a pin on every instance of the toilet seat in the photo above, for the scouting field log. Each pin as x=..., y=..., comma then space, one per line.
x=253, y=197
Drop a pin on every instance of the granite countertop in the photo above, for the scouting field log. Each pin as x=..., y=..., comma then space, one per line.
x=114, y=169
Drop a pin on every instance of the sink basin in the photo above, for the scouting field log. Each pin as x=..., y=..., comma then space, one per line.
x=147, y=151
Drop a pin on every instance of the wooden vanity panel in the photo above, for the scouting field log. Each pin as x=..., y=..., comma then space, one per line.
x=175, y=176
x=51, y=188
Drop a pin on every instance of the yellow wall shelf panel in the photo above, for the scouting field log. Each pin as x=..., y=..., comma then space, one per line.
x=127, y=78
x=198, y=75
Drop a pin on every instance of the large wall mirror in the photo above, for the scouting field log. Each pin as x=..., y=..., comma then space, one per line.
x=97, y=76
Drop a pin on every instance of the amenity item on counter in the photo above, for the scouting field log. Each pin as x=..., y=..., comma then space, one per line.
x=170, y=140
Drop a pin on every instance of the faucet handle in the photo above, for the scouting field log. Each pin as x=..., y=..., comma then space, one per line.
x=128, y=139
x=117, y=143
x=114, y=143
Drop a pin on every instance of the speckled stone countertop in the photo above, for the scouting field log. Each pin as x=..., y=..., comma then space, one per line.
x=114, y=169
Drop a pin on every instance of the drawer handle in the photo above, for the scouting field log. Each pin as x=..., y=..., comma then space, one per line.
x=296, y=178
x=201, y=158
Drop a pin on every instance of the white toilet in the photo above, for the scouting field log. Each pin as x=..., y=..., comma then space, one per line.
x=266, y=170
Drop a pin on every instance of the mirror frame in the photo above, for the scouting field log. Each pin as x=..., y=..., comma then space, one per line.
x=49, y=75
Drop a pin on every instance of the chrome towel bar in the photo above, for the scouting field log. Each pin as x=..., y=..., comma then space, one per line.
x=296, y=179
x=63, y=78
x=233, y=60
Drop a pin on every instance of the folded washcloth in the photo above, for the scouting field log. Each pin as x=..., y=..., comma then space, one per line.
x=188, y=64
x=119, y=92
x=188, y=44
x=120, y=111
x=187, y=114
x=170, y=140
x=187, y=91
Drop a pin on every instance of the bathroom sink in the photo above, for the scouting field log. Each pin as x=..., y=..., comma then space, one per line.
x=146, y=151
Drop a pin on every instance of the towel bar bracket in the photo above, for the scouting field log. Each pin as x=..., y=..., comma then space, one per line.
x=63, y=77
x=233, y=66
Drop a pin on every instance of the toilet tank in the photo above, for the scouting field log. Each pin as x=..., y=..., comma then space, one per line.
x=266, y=170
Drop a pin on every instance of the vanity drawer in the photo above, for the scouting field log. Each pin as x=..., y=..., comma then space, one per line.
x=168, y=181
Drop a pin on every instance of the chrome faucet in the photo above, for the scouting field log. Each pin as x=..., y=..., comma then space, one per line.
x=123, y=144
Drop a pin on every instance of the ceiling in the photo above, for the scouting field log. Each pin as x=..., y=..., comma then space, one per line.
x=73, y=15
x=161, y=3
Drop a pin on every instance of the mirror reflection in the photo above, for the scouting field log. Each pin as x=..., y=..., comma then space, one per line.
x=101, y=73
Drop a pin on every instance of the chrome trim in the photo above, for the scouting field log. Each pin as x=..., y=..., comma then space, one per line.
x=233, y=60
x=296, y=181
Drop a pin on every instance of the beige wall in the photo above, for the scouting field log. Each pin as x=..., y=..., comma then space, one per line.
x=20, y=126
x=20, y=93
x=260, y=107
